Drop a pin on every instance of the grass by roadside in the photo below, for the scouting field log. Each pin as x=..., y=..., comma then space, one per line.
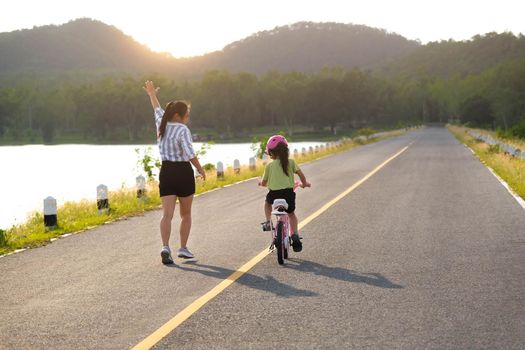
x=74, y=217
x=517, y=143
x=509, y=168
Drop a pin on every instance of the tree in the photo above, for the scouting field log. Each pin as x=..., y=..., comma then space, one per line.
x=477, y=110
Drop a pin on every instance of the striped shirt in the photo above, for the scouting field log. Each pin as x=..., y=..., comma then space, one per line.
x=176, y=145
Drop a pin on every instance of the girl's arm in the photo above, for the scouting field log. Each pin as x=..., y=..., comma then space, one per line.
x=304, y=183
x=151, y=90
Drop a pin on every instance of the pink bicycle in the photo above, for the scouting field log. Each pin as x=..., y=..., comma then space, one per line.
x=281, y=232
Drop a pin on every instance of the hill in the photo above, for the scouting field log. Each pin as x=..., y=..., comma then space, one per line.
x=80, y=45
x=90, y=45
x=458, y=58
x=307, y=47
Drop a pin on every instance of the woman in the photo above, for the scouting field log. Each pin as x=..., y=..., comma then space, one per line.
x=176, y=177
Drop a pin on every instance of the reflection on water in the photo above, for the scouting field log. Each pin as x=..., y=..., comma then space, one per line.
x=72, y=172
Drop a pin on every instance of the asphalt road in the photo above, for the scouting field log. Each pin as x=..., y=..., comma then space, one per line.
x=427, y=253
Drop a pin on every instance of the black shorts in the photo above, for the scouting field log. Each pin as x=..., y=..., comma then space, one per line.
x=176, y=178
x=287, y=194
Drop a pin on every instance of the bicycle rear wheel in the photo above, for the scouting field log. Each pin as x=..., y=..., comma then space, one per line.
x=279, y=243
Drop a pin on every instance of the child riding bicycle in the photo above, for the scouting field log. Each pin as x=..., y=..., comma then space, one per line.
x=279, y=177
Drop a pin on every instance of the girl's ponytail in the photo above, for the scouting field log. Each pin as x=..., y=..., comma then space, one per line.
x=172, y=108
x=282, y=152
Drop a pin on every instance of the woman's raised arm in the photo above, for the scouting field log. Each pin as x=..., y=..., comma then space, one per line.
x=151, y=90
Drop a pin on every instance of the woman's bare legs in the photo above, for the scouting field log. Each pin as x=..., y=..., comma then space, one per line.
x=168, y=208
x=185, y=215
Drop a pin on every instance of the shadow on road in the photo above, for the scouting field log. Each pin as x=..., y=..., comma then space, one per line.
x=373, y=279
x=267, y=283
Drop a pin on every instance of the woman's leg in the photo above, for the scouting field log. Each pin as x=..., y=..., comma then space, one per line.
x=185, y=215
x=168, y=207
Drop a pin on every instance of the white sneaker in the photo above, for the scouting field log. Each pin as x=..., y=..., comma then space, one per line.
x=165, y=254
x=184, y=253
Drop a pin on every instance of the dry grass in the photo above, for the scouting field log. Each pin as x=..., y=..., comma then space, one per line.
x=510, y=169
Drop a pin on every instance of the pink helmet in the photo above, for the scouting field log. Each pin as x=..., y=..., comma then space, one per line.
x=274, y=141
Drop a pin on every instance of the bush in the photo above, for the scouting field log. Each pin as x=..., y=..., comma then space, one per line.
x=366, y=132
x=518, y=130
x=148, y=163
x=209, y=167
x=502, y=134
x=493, y=149
x=3, y=238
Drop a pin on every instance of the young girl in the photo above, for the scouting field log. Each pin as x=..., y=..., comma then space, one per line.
x=279, y=177
x=176, y=178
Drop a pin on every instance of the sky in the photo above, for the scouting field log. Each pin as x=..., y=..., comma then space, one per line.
x=195, y=27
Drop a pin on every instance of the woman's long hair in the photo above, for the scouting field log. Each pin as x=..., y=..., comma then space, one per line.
x=282, y=152
x=172, y=108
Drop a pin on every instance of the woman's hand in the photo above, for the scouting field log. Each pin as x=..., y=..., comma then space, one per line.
x=202, y=173
x=150, y=88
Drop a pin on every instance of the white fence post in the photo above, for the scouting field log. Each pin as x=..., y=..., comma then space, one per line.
x=236, y=166
x=141, y=186
x=252, y=163
x=102, y=199
x=50, y=213
x=220, y=170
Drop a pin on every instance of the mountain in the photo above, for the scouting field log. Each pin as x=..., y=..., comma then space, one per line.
x=85, y=45
x=307, y=47
x=458, y=58
x=80, y=45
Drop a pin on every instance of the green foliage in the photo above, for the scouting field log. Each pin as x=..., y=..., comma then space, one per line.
x=147, y=162
x=477, y=110
x=204, y=149
x=518, y=130
x=493, y=149
x=3, y=238
x=501, y=133
x=209, y=167
x=480, y=82
x=366, y=132
x=259, y=144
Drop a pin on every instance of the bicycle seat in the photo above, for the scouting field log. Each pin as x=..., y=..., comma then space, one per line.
x=279, y=207
x=279, y=203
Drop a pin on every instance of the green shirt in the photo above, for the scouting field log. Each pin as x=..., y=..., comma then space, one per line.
x=275, y=176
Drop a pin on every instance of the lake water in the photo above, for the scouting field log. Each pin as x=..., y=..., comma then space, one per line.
x=28, y=174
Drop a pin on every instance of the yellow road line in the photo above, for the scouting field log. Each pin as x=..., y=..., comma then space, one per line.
x=182, y=316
